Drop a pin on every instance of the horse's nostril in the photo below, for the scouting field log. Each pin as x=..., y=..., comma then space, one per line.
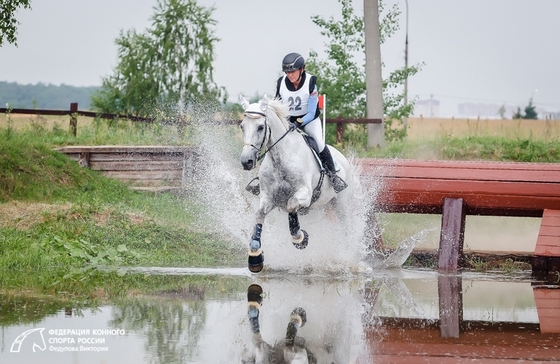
x=247, y=165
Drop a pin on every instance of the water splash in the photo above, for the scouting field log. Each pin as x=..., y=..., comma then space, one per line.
x=397, y=257
x=338, y=242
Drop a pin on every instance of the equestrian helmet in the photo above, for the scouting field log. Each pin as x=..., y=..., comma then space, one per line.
x=292, y=62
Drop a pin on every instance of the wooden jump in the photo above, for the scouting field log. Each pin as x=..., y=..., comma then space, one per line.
x=453, y=189
x=140, y=166
x=459, y=188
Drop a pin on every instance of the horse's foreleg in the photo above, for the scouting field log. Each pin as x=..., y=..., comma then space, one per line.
x=298, y=318
x=256, y=256
x=300, y=238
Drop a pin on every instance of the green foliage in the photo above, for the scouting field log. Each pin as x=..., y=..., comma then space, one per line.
x=342, y=78
x=41, y=96
x=501, y=149
x=530, y=112
x=171, y=61
x=8, y=23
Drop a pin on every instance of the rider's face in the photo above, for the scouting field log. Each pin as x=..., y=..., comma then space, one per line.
x=293, y=76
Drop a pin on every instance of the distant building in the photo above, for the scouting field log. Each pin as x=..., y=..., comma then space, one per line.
x=492, y=111
x=427, y=108
x=471, y=109
x=550, y=115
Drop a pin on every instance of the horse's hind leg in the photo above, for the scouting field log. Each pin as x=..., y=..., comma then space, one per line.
x=256, y=256
x=300, y=238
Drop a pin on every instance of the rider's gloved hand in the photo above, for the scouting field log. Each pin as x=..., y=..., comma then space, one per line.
x=293, y=126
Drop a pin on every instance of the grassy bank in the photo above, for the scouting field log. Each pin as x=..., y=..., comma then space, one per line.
x=67, y=228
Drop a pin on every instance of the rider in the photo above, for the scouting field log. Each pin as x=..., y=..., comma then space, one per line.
x=298, y=89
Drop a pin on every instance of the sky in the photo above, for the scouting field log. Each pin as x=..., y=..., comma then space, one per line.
x=477, y=51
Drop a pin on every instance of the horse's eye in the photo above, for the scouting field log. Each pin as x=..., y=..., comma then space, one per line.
x=260, y=128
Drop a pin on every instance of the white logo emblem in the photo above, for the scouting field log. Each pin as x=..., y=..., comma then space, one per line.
x=37, y=339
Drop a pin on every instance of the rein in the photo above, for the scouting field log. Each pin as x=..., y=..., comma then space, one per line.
x=261, y=156
x=272, y=146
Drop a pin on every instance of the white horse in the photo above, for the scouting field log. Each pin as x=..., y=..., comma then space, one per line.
x=291, y=176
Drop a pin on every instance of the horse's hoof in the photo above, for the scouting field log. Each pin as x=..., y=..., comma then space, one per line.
x=256, y=263
x=255, y=293
x=300, y=312
x=301, y=243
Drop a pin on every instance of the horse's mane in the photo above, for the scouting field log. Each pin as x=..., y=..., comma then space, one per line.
x=281, y=110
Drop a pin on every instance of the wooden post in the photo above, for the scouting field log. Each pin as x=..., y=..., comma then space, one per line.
x=339, y=133
x=547, y=250
x=74, y=118
x=547, y=301
x=452, y=234
x=450, y=292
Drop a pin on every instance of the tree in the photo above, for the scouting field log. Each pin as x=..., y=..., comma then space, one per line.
x=530, y=112
x=343, y=80
x=8, y=23
x=502, y=111
x=171, y=61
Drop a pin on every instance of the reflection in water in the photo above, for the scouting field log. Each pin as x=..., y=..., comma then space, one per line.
x=171, y=329
x=292, y=348
x=385, y=317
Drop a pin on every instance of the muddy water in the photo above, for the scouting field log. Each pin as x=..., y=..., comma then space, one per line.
x=387, y=316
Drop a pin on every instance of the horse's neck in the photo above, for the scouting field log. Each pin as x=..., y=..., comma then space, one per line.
x=285, y=150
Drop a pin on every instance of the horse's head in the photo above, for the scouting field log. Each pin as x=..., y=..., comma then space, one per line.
x=255, y=129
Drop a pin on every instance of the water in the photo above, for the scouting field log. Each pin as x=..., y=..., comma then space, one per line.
x=386, y=316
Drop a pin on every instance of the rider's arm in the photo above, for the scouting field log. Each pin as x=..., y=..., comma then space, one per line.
x=312, y=104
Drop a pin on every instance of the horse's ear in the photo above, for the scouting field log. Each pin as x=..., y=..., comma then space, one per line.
x=263, y=104
x=244, y=103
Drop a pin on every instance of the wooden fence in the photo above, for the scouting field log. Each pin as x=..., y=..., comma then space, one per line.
x=453, y=189
x=73, y=112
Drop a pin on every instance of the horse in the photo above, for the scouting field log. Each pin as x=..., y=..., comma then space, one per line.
x=290, y=176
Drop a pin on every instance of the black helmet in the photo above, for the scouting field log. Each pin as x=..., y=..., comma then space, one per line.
x=292, y=62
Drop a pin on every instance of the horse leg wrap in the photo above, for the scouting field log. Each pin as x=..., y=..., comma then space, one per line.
x=255, y=244
x=253, y=314
x=294, y=224
x=256, y=256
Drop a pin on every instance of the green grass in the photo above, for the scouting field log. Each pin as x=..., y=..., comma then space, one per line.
x=491, y=148
x=67, y=228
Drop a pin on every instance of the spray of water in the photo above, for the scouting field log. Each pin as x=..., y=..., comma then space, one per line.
x=339, y=237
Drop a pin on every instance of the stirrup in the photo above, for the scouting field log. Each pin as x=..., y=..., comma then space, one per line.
x=255, y=189
x=337, y=183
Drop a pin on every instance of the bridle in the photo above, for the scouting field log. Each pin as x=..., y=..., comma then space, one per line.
x=267, y=134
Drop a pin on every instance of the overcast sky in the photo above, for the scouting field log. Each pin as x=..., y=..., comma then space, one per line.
x=486, y=51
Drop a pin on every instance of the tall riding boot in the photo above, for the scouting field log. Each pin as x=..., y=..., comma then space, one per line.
x=328, y=162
